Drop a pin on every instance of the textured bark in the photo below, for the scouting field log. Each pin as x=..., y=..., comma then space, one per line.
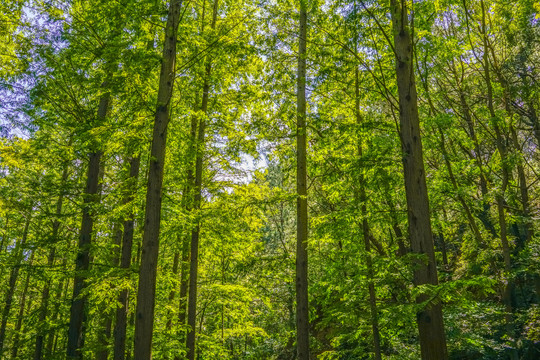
x=120, y=326
x=302, y=310
x=12, y=283
x=429, y=319
x=144, y=321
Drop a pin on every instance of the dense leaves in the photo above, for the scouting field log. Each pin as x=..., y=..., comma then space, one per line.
x=478, y=81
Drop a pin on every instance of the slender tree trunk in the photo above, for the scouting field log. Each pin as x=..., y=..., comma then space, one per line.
x=429, y=319
x=184, y=283
x=44, y=307
x=16, y=337
x=188, y=196
x=45, y=294
x=366, y=233
x=186, y=244
x=104, y=332
x=302, y=305
x=82, y=262
x=194, y=248
x=120, y=326
x=150, y=247
x=13, y=277
x=61, y=289
x=185, y=262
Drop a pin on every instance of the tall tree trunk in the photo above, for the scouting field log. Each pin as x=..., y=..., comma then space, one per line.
x=429, y=319
x=186, y=244
x=302, y=310
x=188, y=197
x=184, y=286
x=366, y=233
x=16, y=337
x=120, y=326
x=150, y=245
x=82, y=262
x=194, y=248
x=59, y=297
x=13, y=277
x=45, y=293
x=105, y=327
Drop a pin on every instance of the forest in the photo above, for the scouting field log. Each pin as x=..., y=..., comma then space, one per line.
x=270, y=179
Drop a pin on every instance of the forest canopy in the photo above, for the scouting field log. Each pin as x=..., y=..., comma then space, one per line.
x=269, y=179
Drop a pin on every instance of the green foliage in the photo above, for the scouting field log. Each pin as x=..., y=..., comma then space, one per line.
x=66, y=56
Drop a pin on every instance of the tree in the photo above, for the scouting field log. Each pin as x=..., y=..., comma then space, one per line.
x=429, y=317
x=150, y=246
x=302, y=307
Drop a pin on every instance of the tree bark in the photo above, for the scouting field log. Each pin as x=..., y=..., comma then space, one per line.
x=195, y=234
x=45, y=294
x=366, y=233
x=429, y=319
x=186, y=244
x=13, y=277
x=302, y=310
x=16, y=337
x=150, y=245
x=104, y=331
x=120, y=326
x=61, y=289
